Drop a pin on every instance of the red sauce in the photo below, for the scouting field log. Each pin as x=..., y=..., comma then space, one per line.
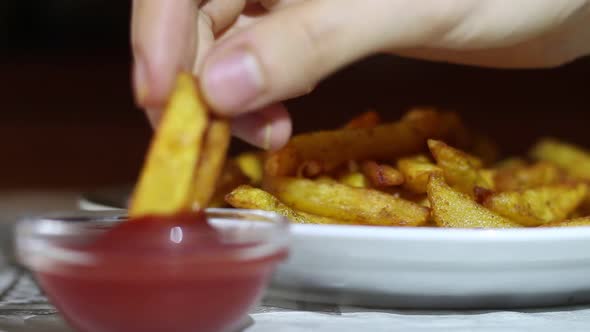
x=159, y=274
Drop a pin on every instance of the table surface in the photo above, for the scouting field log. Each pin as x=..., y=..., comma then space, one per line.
x=24, y=308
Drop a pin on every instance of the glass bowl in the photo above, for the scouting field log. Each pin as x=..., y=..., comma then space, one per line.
x=167, y=278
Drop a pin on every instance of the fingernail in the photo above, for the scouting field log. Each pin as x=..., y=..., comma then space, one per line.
x=140, y=80
x=267, y=136
x=153, y=117
x=233, y=81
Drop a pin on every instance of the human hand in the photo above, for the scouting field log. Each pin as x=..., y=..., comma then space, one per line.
x=287, y=50
x=169, y=36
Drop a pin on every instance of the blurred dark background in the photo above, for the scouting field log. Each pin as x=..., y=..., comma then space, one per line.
x=67, y=117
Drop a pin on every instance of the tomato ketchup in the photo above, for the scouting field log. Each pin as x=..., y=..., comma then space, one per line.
x=160, y=274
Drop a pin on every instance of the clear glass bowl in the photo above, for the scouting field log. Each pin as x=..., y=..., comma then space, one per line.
x=168, y=278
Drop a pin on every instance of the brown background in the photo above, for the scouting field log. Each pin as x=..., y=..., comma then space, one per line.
x=67, y=119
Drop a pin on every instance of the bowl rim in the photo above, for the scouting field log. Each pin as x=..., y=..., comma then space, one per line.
x=36, y=247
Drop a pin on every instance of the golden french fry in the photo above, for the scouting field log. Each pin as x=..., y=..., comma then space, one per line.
x=309, y=169
x=451, y=208
x=511, y=162
x=576, y=222
x=344, y=202
x=460, y=169
x=416, y=171
x=524, y=177
x=211, y=162
x=166, y=182
x=383, y=142
x=231, y=177
x=573, y=159
x=367, y=119
x=354, y=179
x=252, y=165
x=381, y=175
x=247, y=197
x=325, y=179
x=537, y=206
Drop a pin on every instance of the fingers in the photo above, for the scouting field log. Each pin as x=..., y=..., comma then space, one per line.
x=285, y=54
x=268, y=128
x=222, y=13
x=169, y=36
x=163, y=38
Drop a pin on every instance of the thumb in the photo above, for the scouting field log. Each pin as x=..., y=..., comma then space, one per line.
x=287, y=52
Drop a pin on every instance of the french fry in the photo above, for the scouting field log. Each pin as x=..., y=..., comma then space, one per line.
x=231, y=177
x=342, y=202
x=573, y=159
x=524, y=177
x=310, y=169
x=354, y=179
x=247, y=197
x=325, y=179
x=451, y=208
x=381, y=175
x=367, y=119
x=211, y=162
x=537, y=206
x=252, y=165
x=166, y=182
x=383, y=142
x=416, y=171
x=576, y=222
x=460, y=169
x=510, y=163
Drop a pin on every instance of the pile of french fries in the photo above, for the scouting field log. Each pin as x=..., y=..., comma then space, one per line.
x=425, y=170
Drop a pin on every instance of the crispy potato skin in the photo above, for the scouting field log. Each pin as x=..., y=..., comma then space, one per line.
x=576, y=222
x=166, y=182
x=451, y=208
x=210, y=165
x=416, y=171
x=343, y=202
x=247, y=197
x=382, y=175
x=460, y=169
x=537, y=206
x=573, y=159
x=385, y=141
x=520, y=177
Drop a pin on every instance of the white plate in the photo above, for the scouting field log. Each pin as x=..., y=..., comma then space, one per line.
x=436, y=268
x=433, y=268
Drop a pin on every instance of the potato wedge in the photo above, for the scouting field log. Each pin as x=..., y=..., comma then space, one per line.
x=343, y=202
x=247, y=197
x=211, y=163
x=573, y=159
x=367, y=119
x=537, y=206
x=416, y=171
x=231, y=177
x=460, y=169
x=354, y=179
x=510, y=163
x=577, y=222
x=381, y=175
x=383, y=142
x=451, y=208
x=310, y=169
x=252, y=165
x=166, y=182
x=524, y=177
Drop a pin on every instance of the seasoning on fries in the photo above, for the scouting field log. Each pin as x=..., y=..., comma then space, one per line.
x=427, y=169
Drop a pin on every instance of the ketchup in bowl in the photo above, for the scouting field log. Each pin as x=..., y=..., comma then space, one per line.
x=180, y=273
